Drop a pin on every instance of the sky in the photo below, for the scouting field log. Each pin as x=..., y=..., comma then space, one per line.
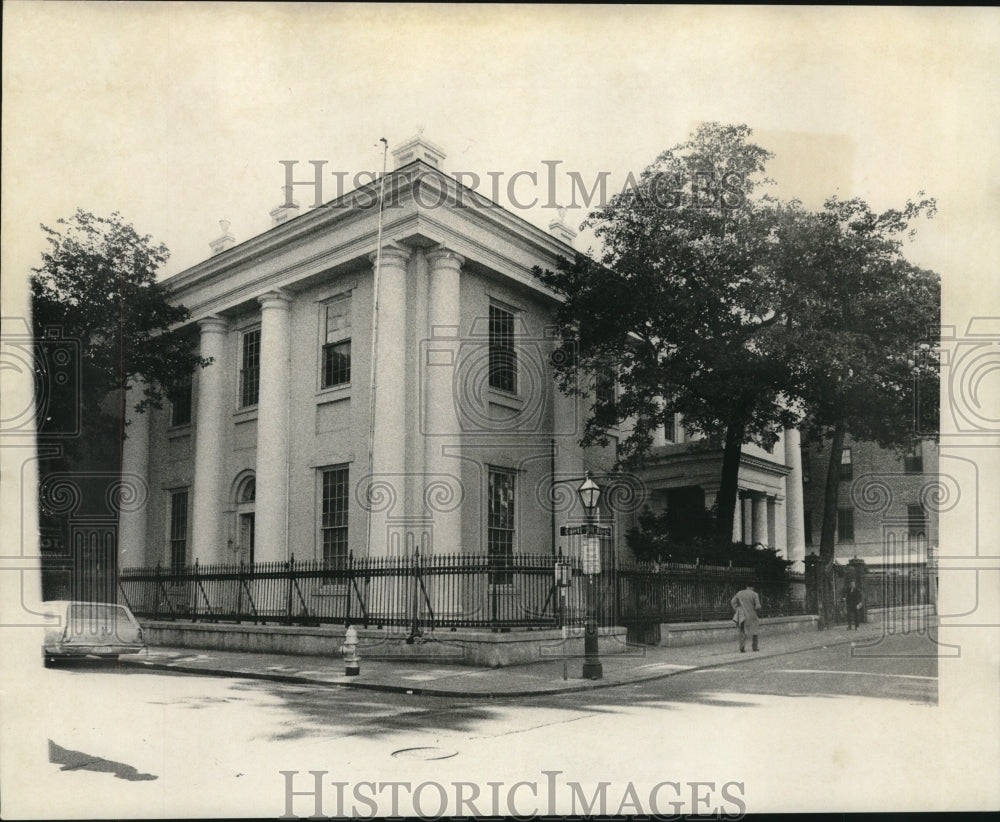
x=178, y=115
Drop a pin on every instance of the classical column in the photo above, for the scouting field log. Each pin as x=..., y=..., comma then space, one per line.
x=207, y=538
x=772, y=508
x=134, y=493
x=270, y=521
x=759, y=518
x=442, y=482
x=795, y=539
x=747, y=507
x=738, y=515
x=388, y=491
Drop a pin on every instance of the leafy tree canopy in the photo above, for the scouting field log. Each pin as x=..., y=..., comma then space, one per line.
x=683, y=304
x=97, y=287
x=862, y=322
x=862, y=325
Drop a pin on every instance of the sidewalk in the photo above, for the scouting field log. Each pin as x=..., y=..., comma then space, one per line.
x=636, y=664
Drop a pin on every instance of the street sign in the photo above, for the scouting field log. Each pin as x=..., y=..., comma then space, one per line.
x=592, y=555
x=584, y=530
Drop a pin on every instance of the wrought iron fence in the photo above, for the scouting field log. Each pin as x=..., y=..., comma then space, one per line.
x=896, y=589
x=445, y=591
x=886, y=587
x=671, y=592
x=449, y=591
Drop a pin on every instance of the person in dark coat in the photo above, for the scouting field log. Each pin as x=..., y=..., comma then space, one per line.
x=852, y=599
x=747, y=606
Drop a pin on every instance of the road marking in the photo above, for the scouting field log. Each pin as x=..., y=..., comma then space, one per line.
x=661, y=666
x=852, y=673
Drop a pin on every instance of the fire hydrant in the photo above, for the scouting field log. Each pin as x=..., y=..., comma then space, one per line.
x=352, y=661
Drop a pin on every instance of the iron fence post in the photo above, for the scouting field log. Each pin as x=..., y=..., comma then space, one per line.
x=288, y=602
x=349, y=582
x=194, y=590
x=415, y=611
x=239, y=593
x=156, y=593
x=494, y=596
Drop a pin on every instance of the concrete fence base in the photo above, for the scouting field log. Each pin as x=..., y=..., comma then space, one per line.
x=460, y=647
x=678, y=634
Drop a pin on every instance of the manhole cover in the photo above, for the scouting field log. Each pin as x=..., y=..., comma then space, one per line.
x=424, y=753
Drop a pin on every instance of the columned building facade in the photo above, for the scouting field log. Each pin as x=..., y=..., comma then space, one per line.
x=364, y=399
x=377, y=399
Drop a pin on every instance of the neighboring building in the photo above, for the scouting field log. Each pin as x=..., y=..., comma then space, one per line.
x=684, y=479
x=273, y=450
x=886, y=504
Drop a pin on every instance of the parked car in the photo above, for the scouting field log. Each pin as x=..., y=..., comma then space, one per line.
x=100, y=629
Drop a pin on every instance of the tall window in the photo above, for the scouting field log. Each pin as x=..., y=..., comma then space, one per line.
x=808, y=526
x=670, y=428
x=916, y=521
x=336, y=342
x=333, y=524
x=604, y=389
x=806, y=464
x=846, y=466
x=500, y=534
x=250, y=368
x=913, y=462
x=503, y=356
x=246, y=497
x=178, y=531
x=180, y=403
x=845, y=525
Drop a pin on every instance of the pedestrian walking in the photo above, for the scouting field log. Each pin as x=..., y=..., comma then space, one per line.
x=852, y=599
x=747, y=606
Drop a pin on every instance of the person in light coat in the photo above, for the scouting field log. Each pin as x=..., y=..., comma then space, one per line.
x=747, y=606
x=852, y=600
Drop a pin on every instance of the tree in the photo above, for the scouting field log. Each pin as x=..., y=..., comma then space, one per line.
x=97, y=313
x=681, y=305
x=97, y=288
x=861, y=322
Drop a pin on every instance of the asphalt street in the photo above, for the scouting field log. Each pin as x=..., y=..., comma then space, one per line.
x=125, y=741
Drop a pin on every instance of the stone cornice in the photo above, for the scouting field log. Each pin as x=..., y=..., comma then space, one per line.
x=746, y=460
x=474, y=250
x=463, y=200
x=337, y=217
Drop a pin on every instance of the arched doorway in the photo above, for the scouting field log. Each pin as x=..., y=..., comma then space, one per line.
x=246, y=496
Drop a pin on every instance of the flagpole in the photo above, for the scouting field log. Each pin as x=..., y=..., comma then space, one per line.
x=374, y=351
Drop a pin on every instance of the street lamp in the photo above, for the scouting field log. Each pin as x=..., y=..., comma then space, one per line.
x=590, y=493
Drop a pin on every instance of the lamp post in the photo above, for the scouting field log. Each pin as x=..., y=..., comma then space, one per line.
x=590, y=494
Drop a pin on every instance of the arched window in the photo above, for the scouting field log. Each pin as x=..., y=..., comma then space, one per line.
x=246, y=495
x=247, y=491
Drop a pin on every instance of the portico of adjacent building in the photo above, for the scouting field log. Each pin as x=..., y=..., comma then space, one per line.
x=682, y=478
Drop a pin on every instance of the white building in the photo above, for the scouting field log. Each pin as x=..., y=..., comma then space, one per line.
x=281, y=447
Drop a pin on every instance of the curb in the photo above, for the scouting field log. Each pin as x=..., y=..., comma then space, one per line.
x=292, y=679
